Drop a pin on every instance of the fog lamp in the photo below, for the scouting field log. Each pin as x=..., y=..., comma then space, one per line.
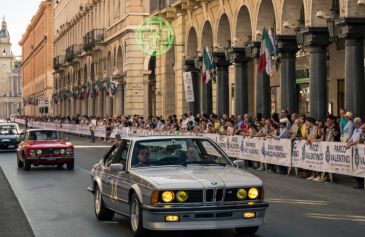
x=172, y=218
x=249, y=215
x=39, y=152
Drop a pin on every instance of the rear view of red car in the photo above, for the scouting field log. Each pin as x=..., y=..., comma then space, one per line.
x=44, y=147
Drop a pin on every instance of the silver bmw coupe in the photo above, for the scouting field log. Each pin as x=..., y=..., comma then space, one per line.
x=176, y=183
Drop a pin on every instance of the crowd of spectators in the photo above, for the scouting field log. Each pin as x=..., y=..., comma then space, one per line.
x=344, y=128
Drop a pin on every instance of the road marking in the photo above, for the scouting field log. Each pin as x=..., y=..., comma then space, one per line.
x=336, y=217
x=298, y=201
x=92, y=146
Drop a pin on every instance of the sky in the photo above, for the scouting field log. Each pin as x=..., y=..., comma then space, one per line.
x=18, y=14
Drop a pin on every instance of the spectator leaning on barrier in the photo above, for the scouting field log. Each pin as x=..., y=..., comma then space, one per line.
x=356, y=138
x=343, y=120
x=348, y=129
x=92, y=126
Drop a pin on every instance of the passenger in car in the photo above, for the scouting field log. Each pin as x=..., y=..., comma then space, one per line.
x=143, y=156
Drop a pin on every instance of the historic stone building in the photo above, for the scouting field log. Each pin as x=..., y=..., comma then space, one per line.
x=95, y=43
x=319, y=64
x=10, y=97
x=37, y=55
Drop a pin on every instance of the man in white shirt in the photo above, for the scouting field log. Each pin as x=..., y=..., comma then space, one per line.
x=92, y=126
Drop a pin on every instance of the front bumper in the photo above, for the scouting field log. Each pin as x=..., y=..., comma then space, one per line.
x=8, y=145
x=204, y=217
x=50, y=160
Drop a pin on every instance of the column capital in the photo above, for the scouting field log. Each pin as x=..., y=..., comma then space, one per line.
x=350, y=27
x=220, y=59
x=253, y=49
x=238, y=55
x=287, y=44
x=316, y=36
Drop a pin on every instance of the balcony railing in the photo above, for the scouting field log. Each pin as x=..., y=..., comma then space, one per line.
x=58, y=61
x=92, y=37
x=72, y=52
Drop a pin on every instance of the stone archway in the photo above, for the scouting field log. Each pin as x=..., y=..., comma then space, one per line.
x=190, y=65
x=118, y=101
x=291, y=14
x=169, y=84
x=85, y=100
x=151, y=92
x=265, y=19
x=206, y=94
x=243, y=87
x=223, y=33
x=224, y=42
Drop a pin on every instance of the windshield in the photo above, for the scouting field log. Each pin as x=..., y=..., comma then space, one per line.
x=44, y=136
x=8, y=129
x=177, y=152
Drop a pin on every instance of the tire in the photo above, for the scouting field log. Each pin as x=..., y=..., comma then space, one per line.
x=102, y=213
x=19, y=163
x=247, y=230
x=136, y=217
x=70, y=165
x=27, y=165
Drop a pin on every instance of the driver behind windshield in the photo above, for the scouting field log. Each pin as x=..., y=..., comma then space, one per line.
x=191, y=154
x=143, y=156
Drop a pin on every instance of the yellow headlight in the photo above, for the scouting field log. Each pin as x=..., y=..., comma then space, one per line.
x=168, y=196
x=253, y=193
x=241, y=194
x=181, y=196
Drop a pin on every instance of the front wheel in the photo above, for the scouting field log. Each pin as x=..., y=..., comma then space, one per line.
x=19, y=163
x=70, y=165
x=27, y=165
x=102, y=213
x=136, y=216
x=247, y=230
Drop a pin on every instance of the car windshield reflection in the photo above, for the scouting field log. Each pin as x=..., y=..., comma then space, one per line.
x=44, y=136
x=179, y=151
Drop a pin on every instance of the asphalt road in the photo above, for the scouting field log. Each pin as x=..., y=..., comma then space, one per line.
x=56, y=203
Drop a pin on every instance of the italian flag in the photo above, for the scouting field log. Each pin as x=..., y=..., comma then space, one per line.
x=207, y=66
x=98, y=87
x=266, y=51
x=109, y=87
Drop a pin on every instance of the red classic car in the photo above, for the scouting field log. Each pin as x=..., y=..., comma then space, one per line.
x=44, y=147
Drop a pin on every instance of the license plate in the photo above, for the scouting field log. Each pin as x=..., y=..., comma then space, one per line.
x=11, y=146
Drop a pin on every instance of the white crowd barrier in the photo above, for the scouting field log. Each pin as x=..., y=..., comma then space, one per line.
x=332, y=157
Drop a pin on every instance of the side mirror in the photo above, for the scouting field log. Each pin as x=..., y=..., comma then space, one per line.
x=67, y=139
x=239, y=163
x=117, y=167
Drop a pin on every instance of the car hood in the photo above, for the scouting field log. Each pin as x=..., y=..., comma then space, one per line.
x=196, y=177
x=48, y=144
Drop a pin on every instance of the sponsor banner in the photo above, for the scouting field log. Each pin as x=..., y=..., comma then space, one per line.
x=233, y=146
x=188, y=86
x=312, y=157
x=358, y=161
x=222, y=142
x=251, y=149
x=297, y=153
x=337, y=158
x=277, y=152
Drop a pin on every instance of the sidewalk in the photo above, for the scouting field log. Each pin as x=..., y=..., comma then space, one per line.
x=13, y=222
